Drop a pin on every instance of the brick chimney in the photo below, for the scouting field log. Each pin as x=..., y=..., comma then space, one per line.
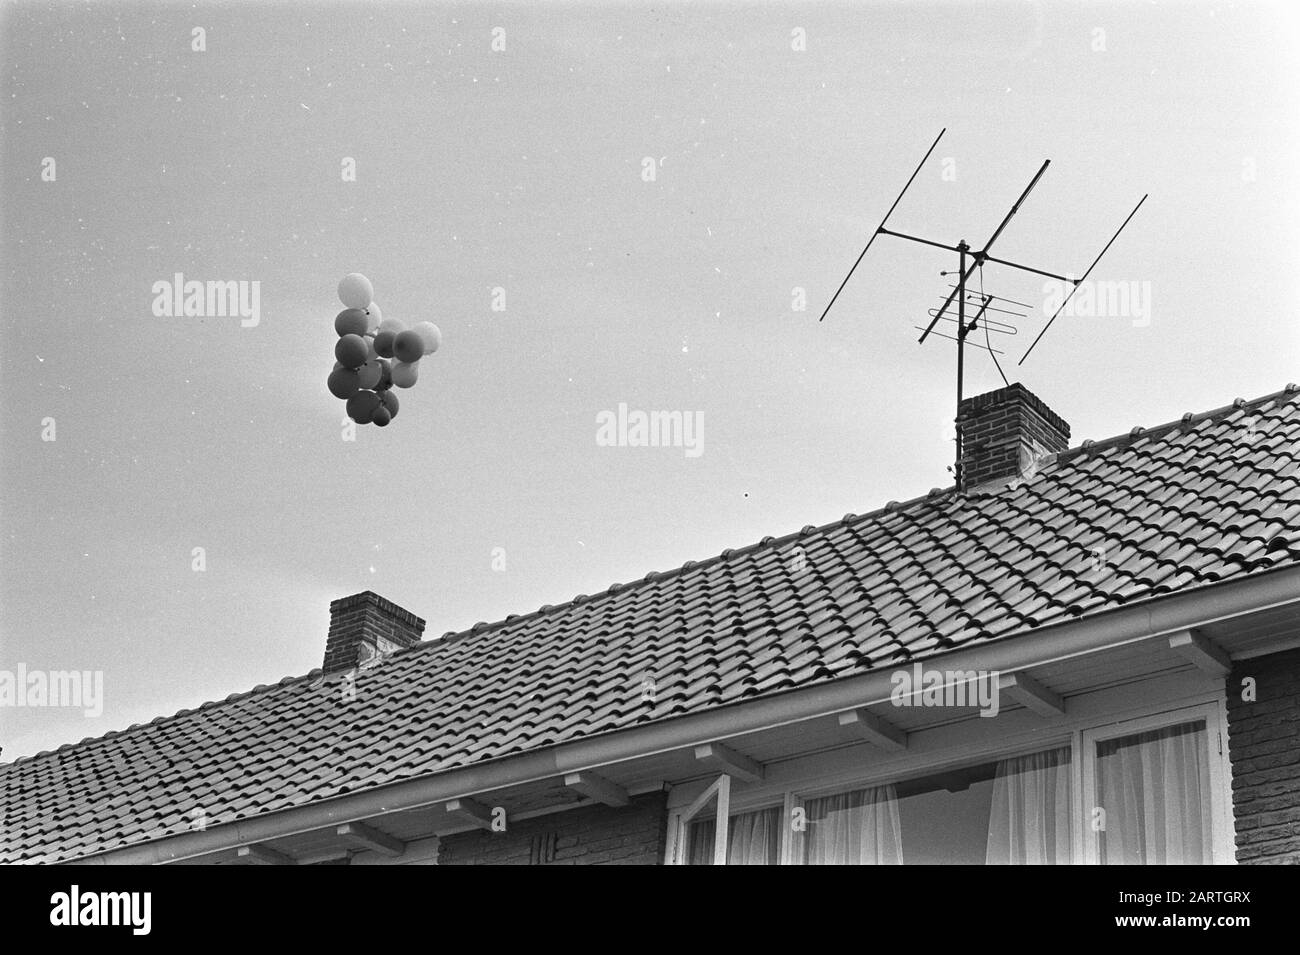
x=364, y=626
x=1004, y=433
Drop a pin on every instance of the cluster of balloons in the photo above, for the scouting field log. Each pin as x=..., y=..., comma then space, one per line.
x=375, y=353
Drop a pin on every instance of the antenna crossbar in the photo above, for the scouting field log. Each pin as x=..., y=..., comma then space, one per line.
x=1014, y=209
x=916, y=238
x=1030, y=268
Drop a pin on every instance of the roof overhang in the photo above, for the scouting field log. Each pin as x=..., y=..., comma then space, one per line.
x=1201, y=628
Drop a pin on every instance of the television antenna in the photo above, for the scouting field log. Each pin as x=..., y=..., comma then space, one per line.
x=968, y=261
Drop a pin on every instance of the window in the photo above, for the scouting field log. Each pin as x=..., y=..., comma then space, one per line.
x=1150, y=791
x=1030, y=817
x=753, y=838
x=697, y=826
x=853, y=828
x=1013, y=810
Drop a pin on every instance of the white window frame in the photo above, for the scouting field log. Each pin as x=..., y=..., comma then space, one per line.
x=1054, y=741
x=679, y=822
x=1078, y=734
x=719, y=790
x=1222, y=842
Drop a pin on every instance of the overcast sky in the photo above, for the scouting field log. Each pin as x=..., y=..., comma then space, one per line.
x=524, y=169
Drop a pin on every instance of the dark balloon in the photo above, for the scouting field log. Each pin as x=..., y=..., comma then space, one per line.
x=381, y=417
x=408, y=346
x=351, y=351
x=389, y=398
x=384, y=343
x=343, y=383
x=369, y=374
x=351, y=321
x=362, y=406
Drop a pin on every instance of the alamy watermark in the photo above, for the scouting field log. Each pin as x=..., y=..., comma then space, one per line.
x=220, y=299
x=921, y=687
x=651, y=429
x=128, y=909
x=79, y=689
x=1095, y=299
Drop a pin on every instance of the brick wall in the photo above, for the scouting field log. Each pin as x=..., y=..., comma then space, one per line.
x=1002, y=430
x=593, y=835
x=363, y=622
x=1264, y=745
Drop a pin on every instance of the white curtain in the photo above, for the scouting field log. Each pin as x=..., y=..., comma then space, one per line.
x=1029, y=821
x=854, y=828
x=1155, y=790
x=753, y=838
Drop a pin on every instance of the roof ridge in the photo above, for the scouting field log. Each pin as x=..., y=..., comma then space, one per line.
x=1140, y=433
x=808, y=530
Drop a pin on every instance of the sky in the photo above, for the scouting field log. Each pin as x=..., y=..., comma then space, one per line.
x=663, y=197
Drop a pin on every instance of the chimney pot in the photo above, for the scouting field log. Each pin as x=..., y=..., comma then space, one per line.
x=364, y=626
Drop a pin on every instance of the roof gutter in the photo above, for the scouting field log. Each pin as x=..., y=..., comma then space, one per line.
x=1148, y=620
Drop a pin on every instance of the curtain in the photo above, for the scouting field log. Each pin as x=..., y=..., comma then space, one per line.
x=1029, y=820
x=1155, y=790
x=753, y=838
x=854, y=828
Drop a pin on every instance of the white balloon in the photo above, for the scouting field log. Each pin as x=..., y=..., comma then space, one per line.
x=355, y=290
x=373, y=318
x=393, y=325
x=431, y=335
x=405, y=374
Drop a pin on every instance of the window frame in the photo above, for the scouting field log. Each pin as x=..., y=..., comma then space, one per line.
x=1079, y=735
x=1048, y=742
x=684, y=828
x=1222, y=841
x=719, y=793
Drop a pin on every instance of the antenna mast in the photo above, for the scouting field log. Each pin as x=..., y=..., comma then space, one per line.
x=964, y=272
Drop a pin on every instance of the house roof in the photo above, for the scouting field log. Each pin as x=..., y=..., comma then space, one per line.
x=1210, y=498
